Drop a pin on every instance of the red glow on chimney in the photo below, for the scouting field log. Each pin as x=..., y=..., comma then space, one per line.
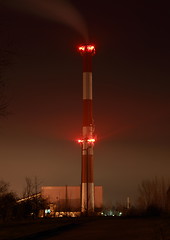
x=91, y=140
x=87, y=49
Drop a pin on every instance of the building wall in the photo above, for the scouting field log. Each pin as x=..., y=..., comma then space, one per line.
x=98, y=197
x=64, y=197
x=67, y=198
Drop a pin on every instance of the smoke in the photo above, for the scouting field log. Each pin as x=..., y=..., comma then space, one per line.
x=57, y=10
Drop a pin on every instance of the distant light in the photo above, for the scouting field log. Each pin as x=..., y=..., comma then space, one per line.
x=80, y=141
x=47, y=211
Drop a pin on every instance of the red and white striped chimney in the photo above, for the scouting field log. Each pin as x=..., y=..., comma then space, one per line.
x=87, y=141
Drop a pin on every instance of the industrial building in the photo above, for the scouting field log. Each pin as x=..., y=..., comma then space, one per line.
x=66, y=200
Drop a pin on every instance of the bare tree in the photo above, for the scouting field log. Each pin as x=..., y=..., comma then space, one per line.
x=29, y=188
x=3, y=100
x=153, y=194
x=7, y=201
x=3, y=187
x=168, y=200
x=32, y=199
x=32, y=187
x=6, y=54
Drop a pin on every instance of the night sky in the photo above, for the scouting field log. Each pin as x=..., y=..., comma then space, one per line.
x=131, y=92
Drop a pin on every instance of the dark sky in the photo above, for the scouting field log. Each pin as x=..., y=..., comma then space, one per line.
x=131, y=76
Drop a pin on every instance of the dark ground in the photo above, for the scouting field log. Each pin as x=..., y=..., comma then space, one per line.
x=88, y=228
x=118, y=229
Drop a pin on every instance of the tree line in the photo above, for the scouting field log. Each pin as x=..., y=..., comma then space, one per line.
x=14, y=208
x=154, y=197
x=153, y=200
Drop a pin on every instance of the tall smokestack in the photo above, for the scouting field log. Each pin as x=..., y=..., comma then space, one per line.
x=87, y=141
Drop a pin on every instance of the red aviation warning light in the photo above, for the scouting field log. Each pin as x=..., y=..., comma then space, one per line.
x=87, y=49
x=91, y=140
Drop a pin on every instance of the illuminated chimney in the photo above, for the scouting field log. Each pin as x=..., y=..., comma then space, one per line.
x=87, y=141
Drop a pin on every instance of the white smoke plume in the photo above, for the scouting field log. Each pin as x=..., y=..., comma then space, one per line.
x=57, y=10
